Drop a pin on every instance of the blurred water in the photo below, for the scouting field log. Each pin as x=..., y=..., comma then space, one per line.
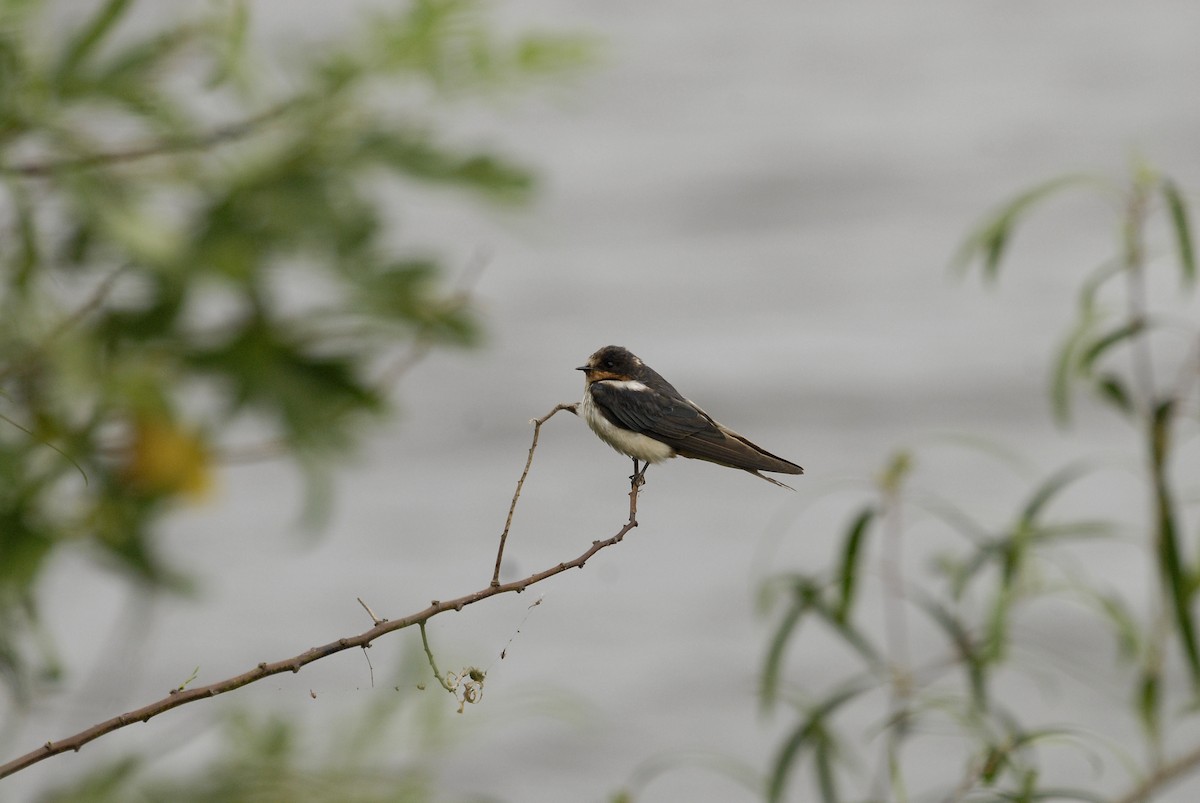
x=761, y=201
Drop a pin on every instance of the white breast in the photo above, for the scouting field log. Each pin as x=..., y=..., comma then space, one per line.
x=624, y=441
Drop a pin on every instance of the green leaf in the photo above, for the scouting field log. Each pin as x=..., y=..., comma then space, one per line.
x=1097, y=349
x=28, y=256
x=1125, y=627
x=972, y=661
x=1051, y=794
x=1149, y=702
x=1112, y=389
x=138, y=66
x=85, y=42
x=811, y=732
x=1066, y=365
x=1176, y=580
x=406, y=292
x=804, y=593
x=1049, y=489
x=313, y=398
x=232, y=36
x=851, y=554
x=415, y=155
x=1180, y=224
x=989, y=241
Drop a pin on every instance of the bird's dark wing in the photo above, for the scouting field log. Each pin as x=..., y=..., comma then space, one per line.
x=649, y=412
x=684, y=427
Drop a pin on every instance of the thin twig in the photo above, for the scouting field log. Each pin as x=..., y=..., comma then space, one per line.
x=537, y=428
x=177, y=697
x=375, y=619
x=437, y=673
x=1135, y=293
x=895, y=603
x=196, y=142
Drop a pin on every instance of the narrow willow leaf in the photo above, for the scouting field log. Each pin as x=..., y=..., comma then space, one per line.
x=851, y=554
x=808, y=733
x=789, y=754
x=1148, y=703
x=1174, y=575
x=1095, y=282
x=990, y=240
x=994, y=644
x=1096, y=349
x=1046, y=492
x=985, y=554
x=28, y=258
x=137, y=64
x=802, y=602
x=897, y=470
x=1111, y=389
x=1053, y=794
x=1177, y=206
x=1125, y=628
x=973, y=662
x=1065, y=365
x=89, y=37
x=849, y=633
x=823, y=757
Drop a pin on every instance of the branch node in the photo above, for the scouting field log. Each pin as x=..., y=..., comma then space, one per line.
x=49, y=745
x=458, y=607
x=262, y=666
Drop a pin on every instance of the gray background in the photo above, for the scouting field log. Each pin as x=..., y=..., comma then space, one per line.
x=761, y=200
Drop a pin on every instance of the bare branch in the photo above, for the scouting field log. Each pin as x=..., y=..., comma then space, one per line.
x=178, y=697
x=537, y=428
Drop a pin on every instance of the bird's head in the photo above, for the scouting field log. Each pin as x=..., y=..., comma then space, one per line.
x=611, y=362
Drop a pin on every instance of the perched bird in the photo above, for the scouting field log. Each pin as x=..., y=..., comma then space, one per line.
x=641, y=415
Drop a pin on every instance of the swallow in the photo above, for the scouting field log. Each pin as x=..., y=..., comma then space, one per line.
x=641, y=415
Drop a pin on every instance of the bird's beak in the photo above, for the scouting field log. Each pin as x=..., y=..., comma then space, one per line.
x=583, y=368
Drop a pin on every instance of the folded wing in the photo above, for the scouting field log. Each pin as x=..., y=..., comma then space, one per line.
x=684, y=427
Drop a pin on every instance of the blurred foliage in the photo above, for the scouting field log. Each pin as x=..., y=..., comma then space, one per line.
x=191, y=249
x=1130, y=349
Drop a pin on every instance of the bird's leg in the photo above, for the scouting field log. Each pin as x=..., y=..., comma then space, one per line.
x=638, y=478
